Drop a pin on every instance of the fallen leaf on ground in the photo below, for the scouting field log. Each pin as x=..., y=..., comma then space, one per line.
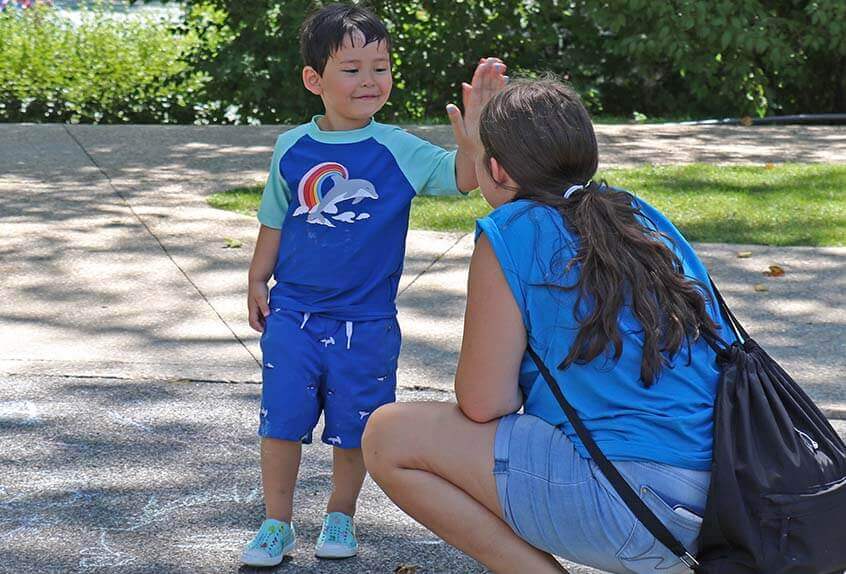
x=746, y=121
x=232, y=243
x=406, y=569
x=760, y=288
x=775, y=271
x=744, y=254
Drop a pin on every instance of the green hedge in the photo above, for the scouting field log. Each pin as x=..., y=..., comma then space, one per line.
x=237, y=61
x=103, y=69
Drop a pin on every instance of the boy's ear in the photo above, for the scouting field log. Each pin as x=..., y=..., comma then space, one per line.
x=312, y=81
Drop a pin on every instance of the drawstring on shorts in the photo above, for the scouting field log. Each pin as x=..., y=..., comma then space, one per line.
x=349, y=327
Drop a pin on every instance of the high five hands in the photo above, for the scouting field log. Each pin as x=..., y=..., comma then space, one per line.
x=488, y=79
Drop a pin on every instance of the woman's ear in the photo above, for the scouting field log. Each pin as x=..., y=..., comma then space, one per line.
x=498, y=173
x=312, y=81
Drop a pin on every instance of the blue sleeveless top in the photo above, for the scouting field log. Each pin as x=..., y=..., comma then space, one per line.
x=670, y=422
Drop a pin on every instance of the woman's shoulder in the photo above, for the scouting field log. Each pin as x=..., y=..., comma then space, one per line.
x=527, y=237
x=523, y=217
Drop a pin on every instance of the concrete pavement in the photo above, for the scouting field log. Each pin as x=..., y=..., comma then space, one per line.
x=122, y=315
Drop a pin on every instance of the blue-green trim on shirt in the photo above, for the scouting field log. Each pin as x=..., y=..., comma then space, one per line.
x=429, y=168
x=276, y=196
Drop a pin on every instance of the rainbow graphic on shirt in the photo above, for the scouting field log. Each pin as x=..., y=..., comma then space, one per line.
x=313, y=183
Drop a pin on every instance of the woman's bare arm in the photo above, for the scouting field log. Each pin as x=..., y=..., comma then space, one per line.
x=486, y=381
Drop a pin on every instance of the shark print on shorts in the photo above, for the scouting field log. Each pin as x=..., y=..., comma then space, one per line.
x=315, y=376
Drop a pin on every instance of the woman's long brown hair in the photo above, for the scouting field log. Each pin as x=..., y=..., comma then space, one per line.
x=539, y=131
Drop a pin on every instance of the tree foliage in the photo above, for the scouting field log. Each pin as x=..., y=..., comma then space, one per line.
x=672, y=58
x=236, y=61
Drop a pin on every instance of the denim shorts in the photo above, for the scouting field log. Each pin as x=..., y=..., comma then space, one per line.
x=560, y=502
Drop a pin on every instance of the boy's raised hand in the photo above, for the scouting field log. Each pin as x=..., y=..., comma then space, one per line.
x=488, y=79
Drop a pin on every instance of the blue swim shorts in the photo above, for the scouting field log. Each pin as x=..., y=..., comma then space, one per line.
x=314, y=364
x=560, y=502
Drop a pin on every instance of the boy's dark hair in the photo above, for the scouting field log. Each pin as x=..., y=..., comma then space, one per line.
x=542, y=135
x=324, y=31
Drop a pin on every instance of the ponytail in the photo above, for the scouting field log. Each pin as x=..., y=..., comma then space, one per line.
x=623, y=262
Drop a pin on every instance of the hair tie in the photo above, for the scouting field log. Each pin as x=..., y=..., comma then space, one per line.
x=574, y=188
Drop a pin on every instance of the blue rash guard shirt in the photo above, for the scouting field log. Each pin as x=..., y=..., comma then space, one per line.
x=342, y=201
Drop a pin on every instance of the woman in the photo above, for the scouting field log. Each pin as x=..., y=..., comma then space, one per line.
x=601, y=286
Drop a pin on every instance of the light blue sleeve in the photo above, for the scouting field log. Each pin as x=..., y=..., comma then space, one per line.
x=276, y=196
x=429, y=168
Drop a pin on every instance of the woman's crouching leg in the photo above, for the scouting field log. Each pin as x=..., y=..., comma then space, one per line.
x=437, y=465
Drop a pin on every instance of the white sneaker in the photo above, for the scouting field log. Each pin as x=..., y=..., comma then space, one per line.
x=337, y=537
x=272, y=542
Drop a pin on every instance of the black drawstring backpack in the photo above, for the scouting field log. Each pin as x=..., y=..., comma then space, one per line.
x=777, y=499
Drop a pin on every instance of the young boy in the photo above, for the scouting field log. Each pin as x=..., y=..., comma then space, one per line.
x=334, y=217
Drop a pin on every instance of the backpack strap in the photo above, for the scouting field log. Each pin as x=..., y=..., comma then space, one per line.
x=739, y=332
x=632, y=500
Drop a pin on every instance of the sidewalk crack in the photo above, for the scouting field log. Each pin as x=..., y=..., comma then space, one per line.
x=432, y=264
x=140, y=220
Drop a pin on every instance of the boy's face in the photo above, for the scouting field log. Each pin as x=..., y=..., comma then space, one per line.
x=356, y=82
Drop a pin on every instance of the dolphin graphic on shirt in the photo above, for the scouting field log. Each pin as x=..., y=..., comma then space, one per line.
x=356, y=190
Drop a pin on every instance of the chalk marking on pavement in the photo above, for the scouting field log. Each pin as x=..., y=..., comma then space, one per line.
x=103, y=556
x=35, y=516
x=154, y=511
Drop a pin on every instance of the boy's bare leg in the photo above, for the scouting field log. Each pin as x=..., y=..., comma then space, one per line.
x=280, y=462
x=348, y=474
